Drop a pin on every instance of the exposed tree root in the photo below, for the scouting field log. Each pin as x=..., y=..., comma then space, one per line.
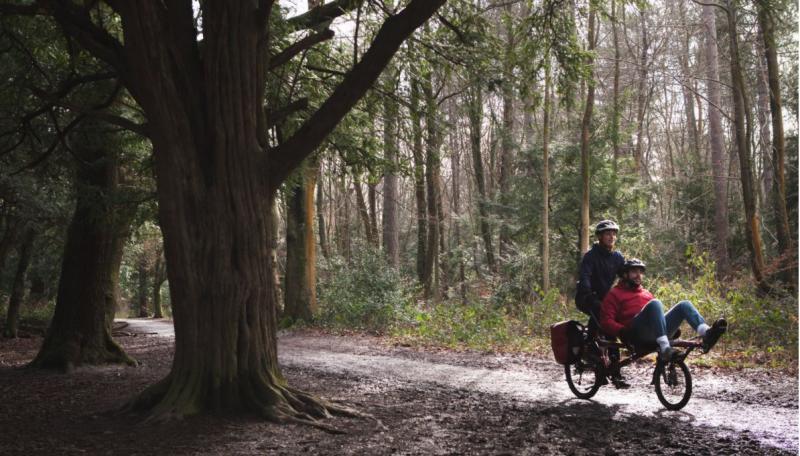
x=166, y=401
x=66, y=354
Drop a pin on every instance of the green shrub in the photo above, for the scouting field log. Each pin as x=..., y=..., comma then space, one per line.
x=767, y=322
x=364, y=293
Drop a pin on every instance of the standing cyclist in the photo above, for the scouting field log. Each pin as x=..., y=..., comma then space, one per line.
x=596, y=276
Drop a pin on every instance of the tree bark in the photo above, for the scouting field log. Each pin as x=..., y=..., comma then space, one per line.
x=546, y=180
x=433, y=181
x=586, y=125
x=80, y=331
x=475, y=100
x=159, y=277
x=688, y=98
x=785, y=243
x=743, y=126
x=363, y=211
x=217, y=177
x=617, y=112
x=300, y=297
x=18, y=287
x=390, y=147
x=419, y=179
x=641, y=93
x=507, y=138
x=9, y=238
x=141, y=292
x=321, y=226
x=715, y=142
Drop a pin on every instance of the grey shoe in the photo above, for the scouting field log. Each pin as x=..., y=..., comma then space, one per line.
x=713, y=334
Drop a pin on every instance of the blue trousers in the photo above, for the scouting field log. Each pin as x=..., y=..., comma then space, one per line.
x=651, y=322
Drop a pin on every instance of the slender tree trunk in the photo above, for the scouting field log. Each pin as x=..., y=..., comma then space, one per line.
x=617, y=112
x=9, y=238
x=507, y=138
x=785, y=243
x=475, y=132
x=688, y=98
x=546, y=181
x=764, y=166
x=743, y=130
x=159, y=277
x=586, y=125
x=363, y=211
x=390, y=146
x=641, y=93
x=419, y=180
x=141, y=292
x=18, y=287
x=715, y=142
x=455, y=246
x=432, y=177
x=321, y=227
x=301, y=249
x=80, y=331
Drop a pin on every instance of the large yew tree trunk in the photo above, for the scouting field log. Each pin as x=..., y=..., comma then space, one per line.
x=217, y=175
x=80, y=331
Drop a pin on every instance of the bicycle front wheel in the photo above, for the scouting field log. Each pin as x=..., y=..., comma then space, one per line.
x=583, y=379
x=673, y=384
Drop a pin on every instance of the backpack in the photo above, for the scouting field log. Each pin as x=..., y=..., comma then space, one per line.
x=566, y=338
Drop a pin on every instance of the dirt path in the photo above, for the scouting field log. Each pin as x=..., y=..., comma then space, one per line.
x=728, y=407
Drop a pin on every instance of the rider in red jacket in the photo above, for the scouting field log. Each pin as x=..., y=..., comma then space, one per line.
x=630, y=310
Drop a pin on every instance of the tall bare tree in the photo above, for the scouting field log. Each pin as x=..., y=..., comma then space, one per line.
x=715, y=141
x=586, y=125
x=785, y=244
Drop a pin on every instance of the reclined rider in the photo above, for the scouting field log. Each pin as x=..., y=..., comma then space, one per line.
x=596, y=276
x=631, y=312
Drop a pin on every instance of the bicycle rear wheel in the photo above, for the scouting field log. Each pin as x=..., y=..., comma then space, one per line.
x=583, y=379
x=673, y=384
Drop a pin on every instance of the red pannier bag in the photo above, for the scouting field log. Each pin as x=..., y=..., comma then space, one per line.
x=566, y=338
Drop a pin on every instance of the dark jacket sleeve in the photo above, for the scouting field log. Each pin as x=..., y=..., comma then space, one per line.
x=584, y=296
x=608, y=315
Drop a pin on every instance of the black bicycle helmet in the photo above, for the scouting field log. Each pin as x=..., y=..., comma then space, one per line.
x=630, y=264
x=606, y=225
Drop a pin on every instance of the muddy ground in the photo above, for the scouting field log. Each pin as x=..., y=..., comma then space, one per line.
x=430, y=402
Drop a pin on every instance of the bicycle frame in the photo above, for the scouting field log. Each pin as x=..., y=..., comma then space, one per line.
x=604, y=345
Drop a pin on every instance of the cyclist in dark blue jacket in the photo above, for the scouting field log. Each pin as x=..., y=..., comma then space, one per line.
x=596, y=277
x=598, y=269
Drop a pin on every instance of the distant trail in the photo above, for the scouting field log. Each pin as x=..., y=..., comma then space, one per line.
x=772, y=425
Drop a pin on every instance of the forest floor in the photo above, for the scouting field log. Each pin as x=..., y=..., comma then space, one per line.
x=429, y=401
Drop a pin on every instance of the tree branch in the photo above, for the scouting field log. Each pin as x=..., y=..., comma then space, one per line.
x=298, y=47
x=77, y=23
x=396, y=29
x=322, y=14
x=276, y=116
